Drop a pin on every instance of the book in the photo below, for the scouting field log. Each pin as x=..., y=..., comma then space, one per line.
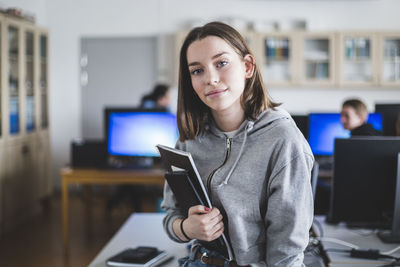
x=184, y=190
x=188, y=188
x=139, y=257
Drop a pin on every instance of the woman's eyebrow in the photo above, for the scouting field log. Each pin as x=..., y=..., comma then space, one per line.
x=219, y=54
x=213, y=57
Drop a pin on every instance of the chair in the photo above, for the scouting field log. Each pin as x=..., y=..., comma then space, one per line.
x=314, y=178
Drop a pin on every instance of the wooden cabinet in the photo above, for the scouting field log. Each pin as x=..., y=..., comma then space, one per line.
x=296, y=58
x=2, y=175
x=24, y=135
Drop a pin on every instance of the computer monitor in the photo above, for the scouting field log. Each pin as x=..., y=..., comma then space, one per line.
x=132, y=132
x=325, y=127
x=302, y=123
x=389, y=116
x=364, y=181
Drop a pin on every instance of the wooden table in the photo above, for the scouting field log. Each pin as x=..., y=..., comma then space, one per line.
x=102, y=177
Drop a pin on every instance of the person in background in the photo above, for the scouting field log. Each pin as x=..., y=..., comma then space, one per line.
x=354, y=117
x=160, y=97
x=398, y=125
x=253, y=160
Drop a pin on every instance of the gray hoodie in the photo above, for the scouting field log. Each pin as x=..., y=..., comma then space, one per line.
x=260, y=179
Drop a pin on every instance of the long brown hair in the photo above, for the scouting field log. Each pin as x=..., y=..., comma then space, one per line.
x=192, y=113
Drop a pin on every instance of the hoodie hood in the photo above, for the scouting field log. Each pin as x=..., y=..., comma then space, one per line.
x=248, y=127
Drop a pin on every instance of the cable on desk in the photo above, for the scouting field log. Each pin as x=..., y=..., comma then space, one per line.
x=338, y=241
x=364, y=232
x=391, y=251
x=372, y=254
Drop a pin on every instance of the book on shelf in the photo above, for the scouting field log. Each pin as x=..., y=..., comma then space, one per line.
x=185, y=182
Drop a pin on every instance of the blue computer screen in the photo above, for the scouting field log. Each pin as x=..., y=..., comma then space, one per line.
x=131, y=133
x=325, y=127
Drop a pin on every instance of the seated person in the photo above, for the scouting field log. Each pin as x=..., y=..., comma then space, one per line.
x=159, y=98
x=354, y=116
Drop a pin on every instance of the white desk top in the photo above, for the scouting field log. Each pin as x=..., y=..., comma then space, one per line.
x=145, y=229
x=141, y=229
x=364, y=239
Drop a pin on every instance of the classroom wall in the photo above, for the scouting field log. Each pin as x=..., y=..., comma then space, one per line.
x=70, y=20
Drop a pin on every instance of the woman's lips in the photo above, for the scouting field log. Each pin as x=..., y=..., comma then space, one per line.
x=216, y=93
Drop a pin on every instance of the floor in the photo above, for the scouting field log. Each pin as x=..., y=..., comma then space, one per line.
x=38, y=242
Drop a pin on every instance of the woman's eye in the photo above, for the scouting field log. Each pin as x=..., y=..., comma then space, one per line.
x=196, y=71
x=222, y=63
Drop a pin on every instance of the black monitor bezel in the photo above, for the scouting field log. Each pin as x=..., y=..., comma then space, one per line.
x=389, y=112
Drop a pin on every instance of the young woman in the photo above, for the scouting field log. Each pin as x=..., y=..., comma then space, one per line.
x=253, y=160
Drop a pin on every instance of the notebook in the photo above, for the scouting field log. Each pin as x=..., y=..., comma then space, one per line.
x=185, y=182
x=139, y=257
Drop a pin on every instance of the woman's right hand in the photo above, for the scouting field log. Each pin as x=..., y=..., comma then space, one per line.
x=203, y=223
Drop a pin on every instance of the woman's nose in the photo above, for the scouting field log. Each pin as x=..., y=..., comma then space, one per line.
x=212, y=77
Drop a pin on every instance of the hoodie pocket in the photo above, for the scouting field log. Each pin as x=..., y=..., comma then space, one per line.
x=245, y=234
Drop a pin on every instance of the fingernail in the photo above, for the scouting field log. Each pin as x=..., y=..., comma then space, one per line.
x=207, y=208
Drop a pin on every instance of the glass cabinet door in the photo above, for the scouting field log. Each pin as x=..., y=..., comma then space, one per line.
x=317, y=59
x=29, y=88
x=277, y=53
x=13, y=79
x=277, y=58
x=391, y=60
x=357, y=59
x=43, y=82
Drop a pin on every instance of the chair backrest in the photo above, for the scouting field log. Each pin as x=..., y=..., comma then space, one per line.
x=314, y=178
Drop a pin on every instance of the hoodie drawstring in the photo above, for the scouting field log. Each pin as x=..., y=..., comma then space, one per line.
x=249, y=126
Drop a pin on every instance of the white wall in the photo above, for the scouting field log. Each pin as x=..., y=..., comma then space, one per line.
x=69, y=20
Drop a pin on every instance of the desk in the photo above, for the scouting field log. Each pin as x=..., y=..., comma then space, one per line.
x=141, y=229
x=146, y=229
x=365, y=239
x=102, y=177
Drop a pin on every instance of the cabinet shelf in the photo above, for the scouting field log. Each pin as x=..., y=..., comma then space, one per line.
x=317, y=60
x=277, y=61
x=13, y=58
x=392, y=61
x=358, y=60
x=29, y=58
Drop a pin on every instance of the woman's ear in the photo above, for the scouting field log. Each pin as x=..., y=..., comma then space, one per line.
x=250, y=63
